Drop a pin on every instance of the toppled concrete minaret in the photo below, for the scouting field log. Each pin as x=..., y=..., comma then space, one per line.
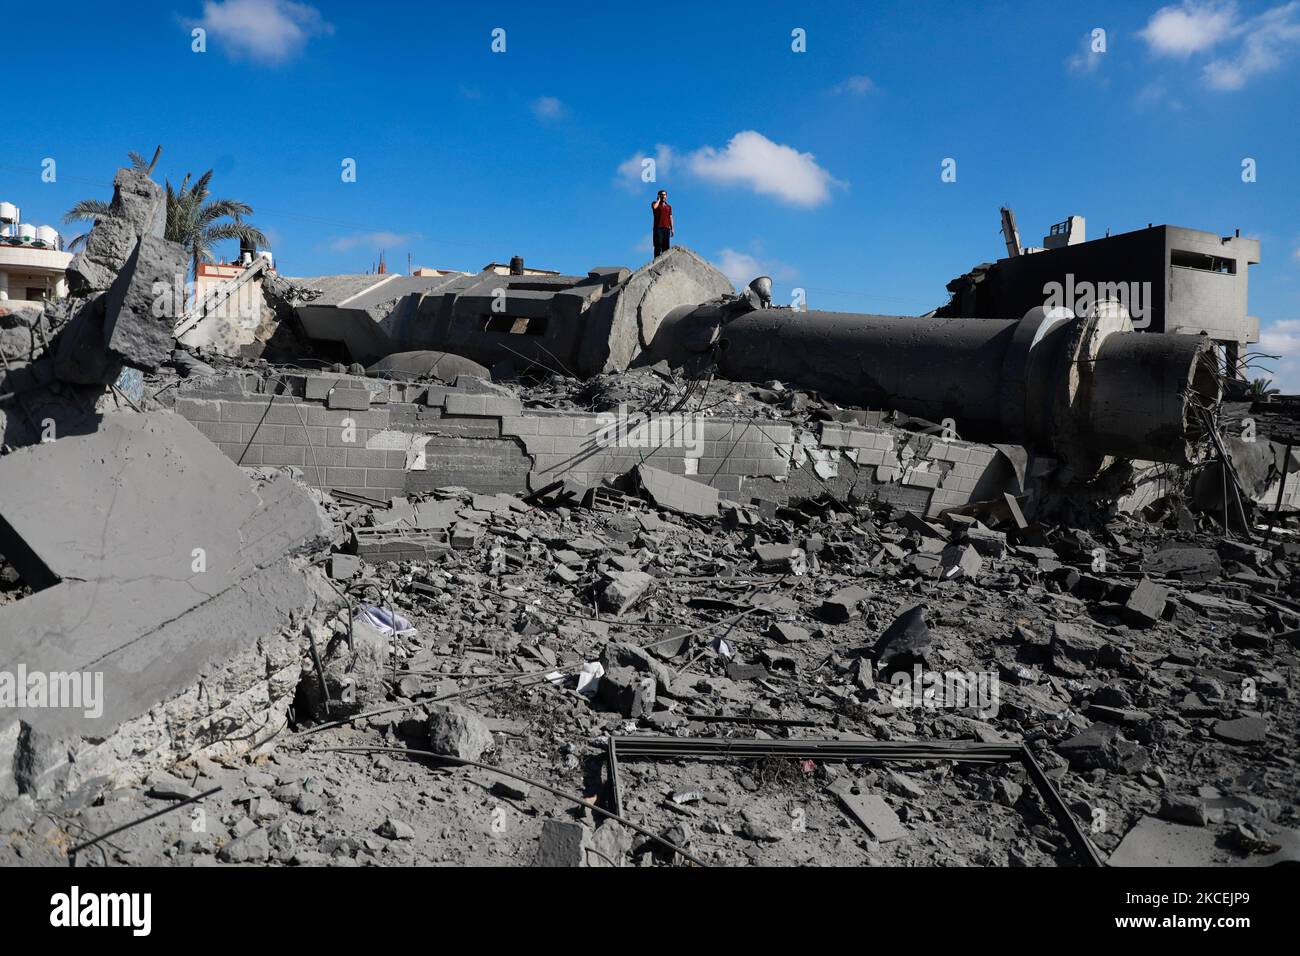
x=1079, y=387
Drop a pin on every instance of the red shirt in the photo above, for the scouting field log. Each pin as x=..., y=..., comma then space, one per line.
x=663, y=216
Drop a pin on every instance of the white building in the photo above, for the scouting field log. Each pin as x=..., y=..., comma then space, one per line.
x=32, y=262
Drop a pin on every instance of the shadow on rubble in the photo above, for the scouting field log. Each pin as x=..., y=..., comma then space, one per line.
x=31, y=419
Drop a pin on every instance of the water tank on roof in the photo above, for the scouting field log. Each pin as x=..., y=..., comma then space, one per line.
x=27, y=232
x=47, y=236
x=8, y=212
x=270, y=260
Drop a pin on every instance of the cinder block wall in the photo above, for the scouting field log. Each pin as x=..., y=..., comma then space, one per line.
x=387, y=439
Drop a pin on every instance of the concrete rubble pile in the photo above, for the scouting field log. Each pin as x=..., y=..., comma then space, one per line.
x=644, y=573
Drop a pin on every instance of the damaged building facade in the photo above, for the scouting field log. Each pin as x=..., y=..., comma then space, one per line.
x=419, y=517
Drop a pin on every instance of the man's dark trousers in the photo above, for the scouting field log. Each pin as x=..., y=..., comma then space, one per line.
x=661, y=237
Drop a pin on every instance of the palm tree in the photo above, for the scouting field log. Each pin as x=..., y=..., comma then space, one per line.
x=1261, y=389
x=193, y=219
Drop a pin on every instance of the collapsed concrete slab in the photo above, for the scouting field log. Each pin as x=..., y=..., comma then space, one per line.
x=156, y=561
x=567, y=324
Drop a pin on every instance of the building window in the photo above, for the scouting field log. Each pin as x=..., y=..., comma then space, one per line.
x=1203, y=262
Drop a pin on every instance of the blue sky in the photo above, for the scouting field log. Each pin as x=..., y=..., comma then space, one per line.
x=821, y=167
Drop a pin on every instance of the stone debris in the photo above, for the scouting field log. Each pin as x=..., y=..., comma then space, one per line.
x=308, y=583
x=456, y=732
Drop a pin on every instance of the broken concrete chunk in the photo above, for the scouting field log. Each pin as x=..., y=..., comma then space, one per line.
x=1184, y=563
x=871, y=811
x=253, y=847
x=621, y=654
x=775, y=557
x=623, y=590
x=1091, y=748
x=787, y=633
x=138, y=209
x=1183, y=808
x=563, y=843
x=144, y=302
x=1243, y=730
x=1074, y=652
x=960, y=561
x=1146, y=604
x=457, y=732
x=843, y=604
x=342, y=567
x=392, y=829
x=990, y=544
x=163, y=786
x=627, y=691
x=905, y=642
x=675, y=493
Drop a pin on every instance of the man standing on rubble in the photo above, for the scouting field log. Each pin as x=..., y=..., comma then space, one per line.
x=663, y=221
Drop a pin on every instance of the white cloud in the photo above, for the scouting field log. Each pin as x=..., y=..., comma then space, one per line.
x=1085, y=61
x=739, y=267
x=1280, y=338
x=1189, y=28
x=1155, y=95
x=382, y=239
x=1251, y=47
x=634, y=167
x=742, y=267
x=1285, y=332
x=1264, y=42
x=857, y=85
x=267, y=31
x=751, y=159
x=548, y=108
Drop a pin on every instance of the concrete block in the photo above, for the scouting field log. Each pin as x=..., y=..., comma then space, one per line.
x=458, y=403
x=519, y=425
x=352, y=399
x=283, y=455
x=242, y=412
x=316, y=415
x=345, y=477
x=366, y=458
x=197, y=410
x=317, y=387
x=921, y=479
x=678, y=494
x=262, y=433
x=241, y=453
x=392, y=480
x=871, y=457
x=220, y=431
x=283, y=412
